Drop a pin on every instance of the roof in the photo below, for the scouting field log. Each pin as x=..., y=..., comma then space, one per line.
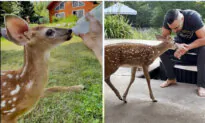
x=51, y=4
x=119, y=8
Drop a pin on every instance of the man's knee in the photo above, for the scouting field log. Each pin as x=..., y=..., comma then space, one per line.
x=201, y=58
x=202, y=50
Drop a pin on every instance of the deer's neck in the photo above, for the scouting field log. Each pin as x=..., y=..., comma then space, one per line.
x=160, y=49
x=35, y=65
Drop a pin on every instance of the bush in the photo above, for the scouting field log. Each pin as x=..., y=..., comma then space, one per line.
x=44, y=20
x=71, y=18
x=116, y=26
x=55, y=19
x=146, y=33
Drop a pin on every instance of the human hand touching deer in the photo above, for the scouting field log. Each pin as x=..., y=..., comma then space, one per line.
x=181, y=50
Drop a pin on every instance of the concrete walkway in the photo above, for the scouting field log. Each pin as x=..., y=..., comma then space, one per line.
x=176, y=104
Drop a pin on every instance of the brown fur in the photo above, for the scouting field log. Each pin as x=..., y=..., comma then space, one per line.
x=93, y=39
x=133, y=55
x=21, y=89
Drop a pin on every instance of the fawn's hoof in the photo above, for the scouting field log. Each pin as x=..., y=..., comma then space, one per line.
x=124, y=99
x=154, y=100
x=119, y=97
x=81, y=87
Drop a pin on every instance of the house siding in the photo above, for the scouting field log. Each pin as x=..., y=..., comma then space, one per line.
x=68, y=9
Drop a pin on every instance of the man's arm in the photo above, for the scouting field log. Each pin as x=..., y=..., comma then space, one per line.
x=195, y=44
x=200, y=41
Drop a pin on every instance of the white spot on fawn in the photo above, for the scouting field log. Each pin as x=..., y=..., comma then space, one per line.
x=4, y=84
x=2, y=96
x=9, y=101
x=10, y=111
x=10, y=76
x=16, y=90
x=3, y=103
x=17, y=76
x=29, y=85
x=13, y=105
x=14, y=99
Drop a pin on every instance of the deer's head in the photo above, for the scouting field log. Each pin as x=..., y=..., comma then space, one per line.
x=18, y=31
x=167, y=41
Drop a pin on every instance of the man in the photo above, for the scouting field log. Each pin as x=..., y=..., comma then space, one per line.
x=190, y=35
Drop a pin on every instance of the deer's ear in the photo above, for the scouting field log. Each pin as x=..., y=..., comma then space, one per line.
x=159, y=37
x=16, y=28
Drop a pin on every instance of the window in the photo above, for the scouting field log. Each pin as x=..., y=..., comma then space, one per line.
x=77, y=3
x=60, y=15
x=78, y=13
x=60, y=6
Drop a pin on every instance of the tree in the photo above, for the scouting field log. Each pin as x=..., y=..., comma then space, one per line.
x=143, y=13
x=40, y=8
x=27, y=9
x=8, y=7
x=1, y=16
x=151, y=14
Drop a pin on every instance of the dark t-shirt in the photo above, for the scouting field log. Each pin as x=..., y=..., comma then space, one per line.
x=192, y=23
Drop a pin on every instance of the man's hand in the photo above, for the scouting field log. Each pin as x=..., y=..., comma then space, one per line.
x=182, y=49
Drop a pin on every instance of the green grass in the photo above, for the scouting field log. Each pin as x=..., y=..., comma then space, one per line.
x=146, y=34
x=138, y=33
x=71, y=63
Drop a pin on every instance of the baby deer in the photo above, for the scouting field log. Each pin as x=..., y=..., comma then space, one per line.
x=21, y=89
x=133, y=55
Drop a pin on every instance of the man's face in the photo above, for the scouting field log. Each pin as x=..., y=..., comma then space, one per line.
x=177, y=25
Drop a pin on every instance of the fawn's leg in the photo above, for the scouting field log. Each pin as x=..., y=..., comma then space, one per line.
x=107, y=80
x=55, y=89
x=131, y=81
x=146, y=73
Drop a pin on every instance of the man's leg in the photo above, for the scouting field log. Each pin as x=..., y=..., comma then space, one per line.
x=169, y=69
x=201, y=71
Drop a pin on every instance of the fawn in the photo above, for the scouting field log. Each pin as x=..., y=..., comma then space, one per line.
x=133, y=55
x=21, y=89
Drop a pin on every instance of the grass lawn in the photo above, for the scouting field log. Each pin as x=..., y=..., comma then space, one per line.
x=146, y=34
x=71, y=63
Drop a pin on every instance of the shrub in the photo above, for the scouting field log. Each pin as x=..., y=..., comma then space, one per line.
x=71, y=18
x=146, y=33
x=44, y=20
x=55, y=19
x=116, y=26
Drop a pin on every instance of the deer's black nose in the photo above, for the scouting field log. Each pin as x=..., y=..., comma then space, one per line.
x=70, y=31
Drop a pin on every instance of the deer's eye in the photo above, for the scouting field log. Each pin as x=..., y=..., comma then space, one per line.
x=49, y=32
